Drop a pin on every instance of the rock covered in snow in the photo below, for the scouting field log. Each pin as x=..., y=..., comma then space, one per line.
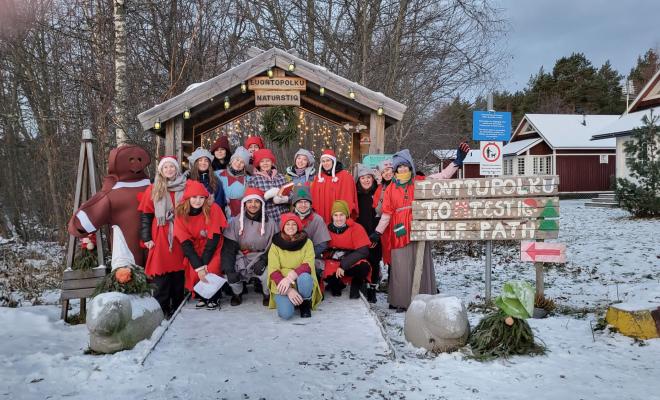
x=437, y=323
x=118, y=321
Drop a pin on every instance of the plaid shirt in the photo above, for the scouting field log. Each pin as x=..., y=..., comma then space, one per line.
x=273, y=211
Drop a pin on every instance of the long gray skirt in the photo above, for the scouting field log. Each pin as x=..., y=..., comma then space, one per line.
x=402, y=270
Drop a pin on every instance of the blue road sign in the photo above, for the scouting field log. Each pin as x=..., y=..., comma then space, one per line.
x=491, y=125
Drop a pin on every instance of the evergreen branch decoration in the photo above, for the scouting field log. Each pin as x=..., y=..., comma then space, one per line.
x=137, y=285
x=280, y=124
x=493, y=337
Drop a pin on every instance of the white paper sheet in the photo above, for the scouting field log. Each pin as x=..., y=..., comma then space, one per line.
x=208, y=289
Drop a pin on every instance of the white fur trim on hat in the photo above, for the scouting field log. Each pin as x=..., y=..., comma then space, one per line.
x=263, y=213
x=121, y=254
x=334, y=166
x=166, y=160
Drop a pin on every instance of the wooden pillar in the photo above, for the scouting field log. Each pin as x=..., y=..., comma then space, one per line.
x=169, y=137
x=377, y=133
x=355, y=148
x=178, y=137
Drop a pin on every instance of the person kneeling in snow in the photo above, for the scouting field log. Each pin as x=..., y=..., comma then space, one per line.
x=245, y=250
x=346, y=257
x=198, y=227
x=291, y=274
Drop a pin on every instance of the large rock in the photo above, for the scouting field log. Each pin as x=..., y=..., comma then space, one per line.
x=437, y=322
x=117, y=321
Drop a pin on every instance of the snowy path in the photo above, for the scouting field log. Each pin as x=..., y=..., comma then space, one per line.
x=248, y=349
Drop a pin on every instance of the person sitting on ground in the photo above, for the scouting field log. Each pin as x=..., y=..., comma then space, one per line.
x=313, y=225
x=198, y=227
x=348, y=250
x=245, y=250
x=302, y=171
x=291, y=275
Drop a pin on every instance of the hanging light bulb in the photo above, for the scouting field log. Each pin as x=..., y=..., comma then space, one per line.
x=381, y=110
x=270, y=73
x=292, y=66
x=243, y=87
x=186, y=114
x=157, y=124
x=227, y=104
x=351, y=93
x=322, y=91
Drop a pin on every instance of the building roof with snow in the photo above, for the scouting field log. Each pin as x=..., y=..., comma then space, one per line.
x=647, y=103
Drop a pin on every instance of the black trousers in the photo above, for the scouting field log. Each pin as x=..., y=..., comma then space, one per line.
x=358, y=273
x=169, y=290
x=375, y=255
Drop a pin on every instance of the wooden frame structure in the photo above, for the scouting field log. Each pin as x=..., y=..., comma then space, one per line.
x=80, y=284
x=204, y=102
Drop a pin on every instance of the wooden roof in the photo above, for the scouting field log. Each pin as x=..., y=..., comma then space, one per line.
x=226, y=84
x=649, y=96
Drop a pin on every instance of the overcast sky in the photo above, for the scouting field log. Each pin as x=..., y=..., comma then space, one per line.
x=544, y=30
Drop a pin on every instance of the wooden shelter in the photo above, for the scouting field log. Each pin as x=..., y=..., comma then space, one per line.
x=272, y=77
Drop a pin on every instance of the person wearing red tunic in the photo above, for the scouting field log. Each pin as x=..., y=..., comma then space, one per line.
x=198, y=227
x=386, y=175
x=397, y=213
x=347, y=253
x=165, y=260
x=333, y=183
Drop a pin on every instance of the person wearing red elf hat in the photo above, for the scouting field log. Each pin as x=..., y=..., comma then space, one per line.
x=333, y=183
x=198, y=227
x=291, y=274
x=165, y=260
x=252, y=144
x=266, y=178
x=245, y=247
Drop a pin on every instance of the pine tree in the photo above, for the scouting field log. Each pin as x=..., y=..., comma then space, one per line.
x=641, y=194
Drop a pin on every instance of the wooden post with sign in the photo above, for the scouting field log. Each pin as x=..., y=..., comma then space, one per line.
x=499, y=208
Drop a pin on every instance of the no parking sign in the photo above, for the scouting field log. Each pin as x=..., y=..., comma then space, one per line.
x=491, y=158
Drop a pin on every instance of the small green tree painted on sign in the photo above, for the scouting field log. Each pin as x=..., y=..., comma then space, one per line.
x=641, y=194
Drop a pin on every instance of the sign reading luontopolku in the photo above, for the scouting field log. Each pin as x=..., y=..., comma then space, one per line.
x=502, y=208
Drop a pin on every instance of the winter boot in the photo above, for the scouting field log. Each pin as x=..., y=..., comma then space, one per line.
x=258, y=287
x=335, y=285
x=371, y=293
x=266, y=300
x=236, y=299
x=306, y=309
x=356, y=283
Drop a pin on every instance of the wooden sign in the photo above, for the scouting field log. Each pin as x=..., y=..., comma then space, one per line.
x=277, y=98
x=277, y=83
x=484, y=230
x=518, y=207
x=515, y=186
x=543, y=252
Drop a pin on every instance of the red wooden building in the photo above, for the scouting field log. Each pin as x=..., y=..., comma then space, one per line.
x=558, y=144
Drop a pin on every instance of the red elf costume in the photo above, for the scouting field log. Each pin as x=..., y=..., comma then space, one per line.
x=199, y=230
x=336, y=184
x=165, y=260
x=348, y=249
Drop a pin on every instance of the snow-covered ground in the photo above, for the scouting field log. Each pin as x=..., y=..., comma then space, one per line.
x=610, y=258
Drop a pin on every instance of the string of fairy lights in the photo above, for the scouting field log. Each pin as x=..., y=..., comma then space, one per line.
x=315, y=134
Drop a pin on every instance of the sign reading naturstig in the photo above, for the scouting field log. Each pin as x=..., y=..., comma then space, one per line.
x=491, y=125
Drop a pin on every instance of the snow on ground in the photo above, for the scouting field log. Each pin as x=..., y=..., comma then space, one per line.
x=41, y=357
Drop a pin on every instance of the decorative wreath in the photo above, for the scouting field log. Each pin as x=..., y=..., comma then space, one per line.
x=280, y=124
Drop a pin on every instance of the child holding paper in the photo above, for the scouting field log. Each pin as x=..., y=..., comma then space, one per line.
x=198, y=227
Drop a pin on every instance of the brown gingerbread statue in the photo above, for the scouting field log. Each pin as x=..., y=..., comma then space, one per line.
x=117, y=201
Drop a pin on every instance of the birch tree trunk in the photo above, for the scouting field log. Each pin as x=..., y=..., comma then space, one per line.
x=120, y=72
